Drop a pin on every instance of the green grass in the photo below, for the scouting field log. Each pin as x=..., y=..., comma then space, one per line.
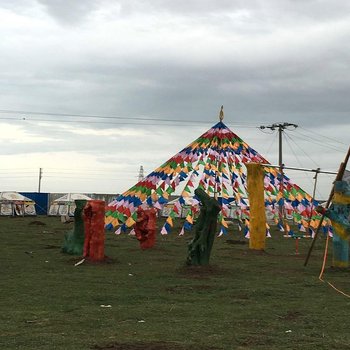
x=243, y=300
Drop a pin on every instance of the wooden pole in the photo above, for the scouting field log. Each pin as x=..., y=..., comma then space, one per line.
x=338, y=178
x=255, y=186
x=313, y=199
x=94, y=213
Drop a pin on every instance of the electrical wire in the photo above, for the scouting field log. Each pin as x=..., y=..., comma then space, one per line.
x=318, y=142
x=18, y=176
x=287, y=138
x=269, y=148
x=324, y=136
x=87, y=178
x=266, y=132
x=302, y=150
x=194, y=123
x=92, y=122
x=86, y=116
x=22, y=172
x=86, y=173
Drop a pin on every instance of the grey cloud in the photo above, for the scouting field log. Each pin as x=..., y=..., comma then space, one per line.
x=267, y=11
x=72, y=12
x=264, y=61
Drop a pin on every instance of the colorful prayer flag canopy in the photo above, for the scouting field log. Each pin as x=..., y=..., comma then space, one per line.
x=215, y=161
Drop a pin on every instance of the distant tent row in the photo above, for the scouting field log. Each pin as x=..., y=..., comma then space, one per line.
x=65, y=205
x=13, y=203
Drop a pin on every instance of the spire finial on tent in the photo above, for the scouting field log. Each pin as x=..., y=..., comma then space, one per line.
x=221, y=115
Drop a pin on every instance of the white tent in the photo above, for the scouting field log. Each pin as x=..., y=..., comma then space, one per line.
x=65, y=205
x=13, y=203
x=183, y=209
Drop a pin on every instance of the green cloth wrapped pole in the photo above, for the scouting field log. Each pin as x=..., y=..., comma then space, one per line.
x=74, y=239
x=199, y=248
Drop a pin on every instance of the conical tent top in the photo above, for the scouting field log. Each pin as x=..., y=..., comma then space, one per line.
x=215, y=162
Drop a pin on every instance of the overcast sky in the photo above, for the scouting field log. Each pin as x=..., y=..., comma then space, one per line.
x=173, y=64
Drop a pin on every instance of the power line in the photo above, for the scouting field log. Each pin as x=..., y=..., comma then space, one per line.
x=324, y=136
x=101, y=117
x=87, y=178
x=92, y=122
x=302, y=150
x=299, y=162
x=190, y=123
x=18, y=177
x=312, y=140
x=271, y=143
x=312, y=137
x=87, y=116
x=83, y=171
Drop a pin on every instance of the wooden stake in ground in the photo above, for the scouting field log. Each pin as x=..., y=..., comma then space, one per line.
x=74, y=239
x=199, y=248
x=257, y=221
x=94, y=244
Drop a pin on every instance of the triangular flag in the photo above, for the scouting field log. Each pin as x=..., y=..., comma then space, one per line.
x=132, y=233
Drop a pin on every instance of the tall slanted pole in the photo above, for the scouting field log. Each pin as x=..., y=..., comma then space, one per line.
x=313, y=197
x=338, y=178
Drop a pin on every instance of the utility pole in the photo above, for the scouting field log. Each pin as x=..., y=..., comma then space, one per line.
x=280, y=127
x=40, y=176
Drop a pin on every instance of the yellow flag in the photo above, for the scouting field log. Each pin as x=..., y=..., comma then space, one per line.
x=108, y=219
x=115, y=222
x=169, y=220
x=224, y=223
x=166, y=195
x=189, y=219
x=130, y=222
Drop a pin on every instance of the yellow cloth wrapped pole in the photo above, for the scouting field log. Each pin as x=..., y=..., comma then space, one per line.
x=255, y=186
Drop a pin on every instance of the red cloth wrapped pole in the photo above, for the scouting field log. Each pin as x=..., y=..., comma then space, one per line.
x=149, y=239
x=141, y=223
x=94, y=243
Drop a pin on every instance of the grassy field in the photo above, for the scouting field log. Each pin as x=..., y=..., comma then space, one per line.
x=151, y=300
